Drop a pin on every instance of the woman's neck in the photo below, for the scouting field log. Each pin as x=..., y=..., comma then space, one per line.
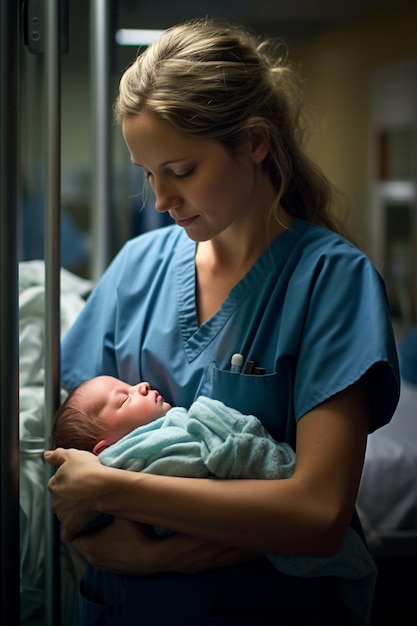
x=221, y=263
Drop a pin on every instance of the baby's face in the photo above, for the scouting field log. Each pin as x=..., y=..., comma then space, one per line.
x=126, y=407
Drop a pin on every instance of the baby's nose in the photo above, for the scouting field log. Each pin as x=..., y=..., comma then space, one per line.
x=143, y=388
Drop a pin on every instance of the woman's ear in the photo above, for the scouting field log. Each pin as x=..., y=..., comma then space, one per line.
x=100, y=446
x=258, y=138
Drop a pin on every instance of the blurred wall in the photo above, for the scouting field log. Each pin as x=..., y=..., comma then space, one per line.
x=338, y=66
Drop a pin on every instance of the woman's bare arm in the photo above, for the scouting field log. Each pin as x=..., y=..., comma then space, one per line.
x=305, y=514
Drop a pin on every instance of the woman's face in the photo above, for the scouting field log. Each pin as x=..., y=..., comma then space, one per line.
x=203, y=186
x=125, y=407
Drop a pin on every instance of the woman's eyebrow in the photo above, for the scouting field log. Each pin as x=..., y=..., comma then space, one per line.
x=172, y=161
x=165, y=163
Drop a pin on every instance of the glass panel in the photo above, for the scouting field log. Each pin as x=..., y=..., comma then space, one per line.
x=399, y=218
x=395, y=158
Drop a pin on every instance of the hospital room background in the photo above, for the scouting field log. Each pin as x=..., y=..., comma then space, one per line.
x=70, y=198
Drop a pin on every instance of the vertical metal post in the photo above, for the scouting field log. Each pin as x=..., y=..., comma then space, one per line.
x=52, y=122
x=9, y=343
x=101, y=122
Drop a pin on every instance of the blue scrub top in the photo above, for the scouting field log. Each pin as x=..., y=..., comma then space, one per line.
x=312, y=311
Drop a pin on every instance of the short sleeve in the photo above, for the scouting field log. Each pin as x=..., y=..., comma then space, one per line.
x=348, y=333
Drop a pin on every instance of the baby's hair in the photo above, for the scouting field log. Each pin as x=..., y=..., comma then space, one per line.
x=77, y=422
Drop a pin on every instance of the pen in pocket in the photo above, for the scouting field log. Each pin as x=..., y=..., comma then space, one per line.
x=236, y=363
x=252, y=368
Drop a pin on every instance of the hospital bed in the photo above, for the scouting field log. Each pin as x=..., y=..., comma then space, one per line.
x=387, y=500
x=33, y=471
x=387, y=504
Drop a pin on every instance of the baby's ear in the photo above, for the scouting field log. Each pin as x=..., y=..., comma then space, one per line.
x=100, y=446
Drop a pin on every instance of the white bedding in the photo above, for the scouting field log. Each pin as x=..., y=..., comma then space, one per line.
x=33, y=496
x=388, y=489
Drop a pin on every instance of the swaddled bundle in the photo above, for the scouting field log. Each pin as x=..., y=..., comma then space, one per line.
x=212, y=439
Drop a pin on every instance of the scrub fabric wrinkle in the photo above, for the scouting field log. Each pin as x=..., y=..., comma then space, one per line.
x=200, y=599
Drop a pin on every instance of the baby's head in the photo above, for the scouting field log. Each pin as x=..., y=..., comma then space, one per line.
x=102, y=410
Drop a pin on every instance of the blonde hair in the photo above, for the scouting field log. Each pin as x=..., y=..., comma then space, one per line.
x=215, y=80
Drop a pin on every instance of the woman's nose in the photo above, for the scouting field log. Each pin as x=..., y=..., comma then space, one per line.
x=166, y=198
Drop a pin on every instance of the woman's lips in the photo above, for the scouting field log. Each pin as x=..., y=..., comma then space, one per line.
x=186, y=221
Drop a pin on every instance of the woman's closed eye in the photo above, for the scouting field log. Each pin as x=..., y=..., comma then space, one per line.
x=183, y=175
x=177, y=175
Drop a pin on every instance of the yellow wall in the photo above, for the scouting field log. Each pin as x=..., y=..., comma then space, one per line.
x=338, y=66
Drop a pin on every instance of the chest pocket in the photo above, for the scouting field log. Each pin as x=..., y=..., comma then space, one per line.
x=267, y=396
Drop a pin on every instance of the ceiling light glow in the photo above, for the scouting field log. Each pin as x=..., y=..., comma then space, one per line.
x=137, y=36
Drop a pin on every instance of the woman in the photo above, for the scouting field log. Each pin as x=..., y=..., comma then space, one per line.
x=254, y=265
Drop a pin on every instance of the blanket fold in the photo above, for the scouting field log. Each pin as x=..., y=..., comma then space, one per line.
x=209, y=439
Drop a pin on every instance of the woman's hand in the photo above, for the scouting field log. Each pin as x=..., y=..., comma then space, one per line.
x=123, y=546
x=126, y=547
x=73, y=487
x=72, y=466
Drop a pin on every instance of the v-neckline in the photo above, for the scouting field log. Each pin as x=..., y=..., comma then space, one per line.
x=197, y=337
